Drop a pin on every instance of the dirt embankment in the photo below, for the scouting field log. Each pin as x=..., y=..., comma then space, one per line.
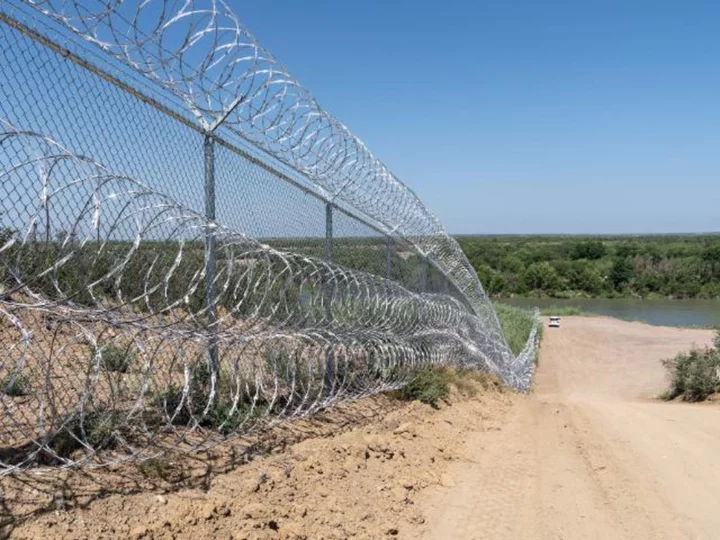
x=361, y=483
x=590, y=454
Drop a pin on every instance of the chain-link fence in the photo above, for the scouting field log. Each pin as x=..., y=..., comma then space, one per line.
x=190, y=248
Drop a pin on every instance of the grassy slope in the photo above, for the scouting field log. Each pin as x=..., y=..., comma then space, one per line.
x=516, y=325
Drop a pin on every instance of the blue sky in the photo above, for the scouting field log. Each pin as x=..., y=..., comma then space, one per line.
x=523, y=116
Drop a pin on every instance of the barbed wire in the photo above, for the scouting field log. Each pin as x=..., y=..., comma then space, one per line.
x=133, y=324
x=200, y=51
x=107, y=341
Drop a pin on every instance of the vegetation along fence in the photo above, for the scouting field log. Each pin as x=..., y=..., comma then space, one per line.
x=191, y=248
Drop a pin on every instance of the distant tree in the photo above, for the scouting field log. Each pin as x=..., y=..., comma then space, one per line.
x=541, y=277
x=589, y=249
x=653, y=254
x=621, y=273
x=491, y=280
x=512, y=263
x=626, y=249
x=582, y=276
x=711, y=255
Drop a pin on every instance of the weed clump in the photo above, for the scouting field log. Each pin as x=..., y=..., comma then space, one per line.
x=14, y=385
x=694, y=376
x=156, y=468
x=193, y=405
x=96, y=429
x=431, y=386
x=434, y=385
x=116, y=359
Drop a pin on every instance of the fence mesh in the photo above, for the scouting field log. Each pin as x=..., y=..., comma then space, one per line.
x=192, y=249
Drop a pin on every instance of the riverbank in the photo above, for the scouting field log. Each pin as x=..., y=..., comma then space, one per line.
x=676, y=313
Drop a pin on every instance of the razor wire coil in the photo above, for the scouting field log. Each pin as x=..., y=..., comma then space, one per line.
x=205, y=251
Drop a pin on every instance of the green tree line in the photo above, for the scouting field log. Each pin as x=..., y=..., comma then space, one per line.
x=673, y=266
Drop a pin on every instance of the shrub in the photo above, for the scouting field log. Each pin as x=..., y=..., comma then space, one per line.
x=156, y=468
x=693, y=375
x=116, y=359
x=433, y=385
x=470, y=381
x=430, y=386
x=14, y=385
x=96, y=429
x=219, y=414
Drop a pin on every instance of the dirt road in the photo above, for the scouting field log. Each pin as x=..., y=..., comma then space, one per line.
x=590, y=454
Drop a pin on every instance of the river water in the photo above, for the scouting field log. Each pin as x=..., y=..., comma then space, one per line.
x=688, y=313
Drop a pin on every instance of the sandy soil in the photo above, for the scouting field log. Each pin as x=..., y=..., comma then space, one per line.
x=590, y=454
x=356, y=474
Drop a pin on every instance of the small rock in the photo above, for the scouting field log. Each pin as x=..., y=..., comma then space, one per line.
x=407, y=483
x=446, y=481
x=291, y=531
x=138, y=532
x=253, y=511
x=250, y=486
x=162, y=499
x=209, y=511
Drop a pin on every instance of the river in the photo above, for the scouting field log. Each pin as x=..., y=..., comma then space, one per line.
x=684, y=313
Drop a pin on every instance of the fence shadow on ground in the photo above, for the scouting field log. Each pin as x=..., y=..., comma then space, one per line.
x=30, y=494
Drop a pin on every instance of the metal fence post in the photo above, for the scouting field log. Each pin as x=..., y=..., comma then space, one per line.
x=330, y=368
x=328, y=232
x=388, y=258
x=210, y=251
x=424, y=274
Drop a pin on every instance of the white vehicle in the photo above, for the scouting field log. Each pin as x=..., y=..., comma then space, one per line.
x=554, y=322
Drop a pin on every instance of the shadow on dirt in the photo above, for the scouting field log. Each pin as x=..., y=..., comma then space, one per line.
x=30, y=494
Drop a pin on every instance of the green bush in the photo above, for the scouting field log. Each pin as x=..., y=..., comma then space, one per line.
x=14, y=385
x=223, y=414
x=116, y=359
x=433, y=384
x=96, y=429
x=430, y=386
x=156, y=468
x=694, y=376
